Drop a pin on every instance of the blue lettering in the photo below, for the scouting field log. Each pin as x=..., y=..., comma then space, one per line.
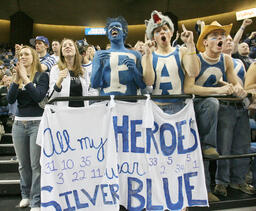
x=65, y=194
x=63, y=149
x=169, y=203
x=150, y=136
x=167, y=150
x=102, y=186
x=91, y=142
x=78, y=203
x=189, y=189
x=124, y=131
x=181, y=149
x=134, y=193
x=92, y=200
x=50, y=203
x=134, y=135
x=181, y=137
x=125, y=169
x=149, y=197
x=114, y=190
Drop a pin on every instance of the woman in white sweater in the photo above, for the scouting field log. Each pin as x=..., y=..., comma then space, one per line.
x=68, y=78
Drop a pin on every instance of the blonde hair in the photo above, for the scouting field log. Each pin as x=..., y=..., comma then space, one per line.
x=35, y=66
x=77, y=66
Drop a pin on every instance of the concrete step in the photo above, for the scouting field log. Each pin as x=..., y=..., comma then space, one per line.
x=8, y=164
x=7, y=149
x=9, y=183
x=6, y=138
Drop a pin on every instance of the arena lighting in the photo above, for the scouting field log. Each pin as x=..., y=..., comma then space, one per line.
x=95, y=31
x=250, y=13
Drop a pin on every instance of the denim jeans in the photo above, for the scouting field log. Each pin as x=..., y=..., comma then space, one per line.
x=172, y=108
x=207, y=117
x=233, y=139
x=253, y=165
x=24, y=135
x=206, y=111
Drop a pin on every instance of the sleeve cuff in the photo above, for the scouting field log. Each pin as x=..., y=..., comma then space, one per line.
x=28, y=85
x=57, y=89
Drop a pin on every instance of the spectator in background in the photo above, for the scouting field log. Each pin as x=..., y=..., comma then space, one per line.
x=251, y=41
x=9, y=53
x=56, y=50
x=139, y=46
x=108, y=46
x=199, y=26
x=241, y=51
x=41, y=44
x=87, y=57
x=68, y=77
x=238, y=36
x=117, y=71
x=28, y=92
x=88, y=54
x=243, y=54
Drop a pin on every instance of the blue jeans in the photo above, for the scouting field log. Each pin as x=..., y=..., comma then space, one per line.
x=24, y=135
x=253, y=166
x=206, y=110
x=172, y=108
x=207, y=117
x=233, y=139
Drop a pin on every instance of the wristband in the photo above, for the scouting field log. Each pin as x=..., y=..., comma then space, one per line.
x=191, y=53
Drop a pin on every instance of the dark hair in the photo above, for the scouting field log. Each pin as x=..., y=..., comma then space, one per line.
x=121, y=20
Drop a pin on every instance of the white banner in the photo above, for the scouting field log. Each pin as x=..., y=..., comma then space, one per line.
x=250, y=13
x=120, y=153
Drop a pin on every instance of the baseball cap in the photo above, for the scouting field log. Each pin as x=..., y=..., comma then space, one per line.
x=41, y=38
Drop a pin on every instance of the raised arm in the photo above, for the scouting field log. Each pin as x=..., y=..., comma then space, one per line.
x=239, y=34
x=190, y=60
x=147, y=64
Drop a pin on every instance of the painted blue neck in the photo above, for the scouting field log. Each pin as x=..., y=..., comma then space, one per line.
x=118, y=45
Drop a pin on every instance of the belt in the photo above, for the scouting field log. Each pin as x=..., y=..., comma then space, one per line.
x=25, y=122
x=232, y=103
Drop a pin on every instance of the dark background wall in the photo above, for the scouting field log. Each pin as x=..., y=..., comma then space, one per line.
x=21, y=28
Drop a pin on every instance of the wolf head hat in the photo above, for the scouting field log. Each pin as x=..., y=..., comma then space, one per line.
x=157, y=19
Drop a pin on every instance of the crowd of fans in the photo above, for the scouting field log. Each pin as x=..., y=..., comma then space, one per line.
x=76, y=68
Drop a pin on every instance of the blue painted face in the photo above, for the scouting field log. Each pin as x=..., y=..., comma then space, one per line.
x=115, y=31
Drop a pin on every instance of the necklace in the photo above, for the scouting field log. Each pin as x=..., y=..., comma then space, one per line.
x=210, y=58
